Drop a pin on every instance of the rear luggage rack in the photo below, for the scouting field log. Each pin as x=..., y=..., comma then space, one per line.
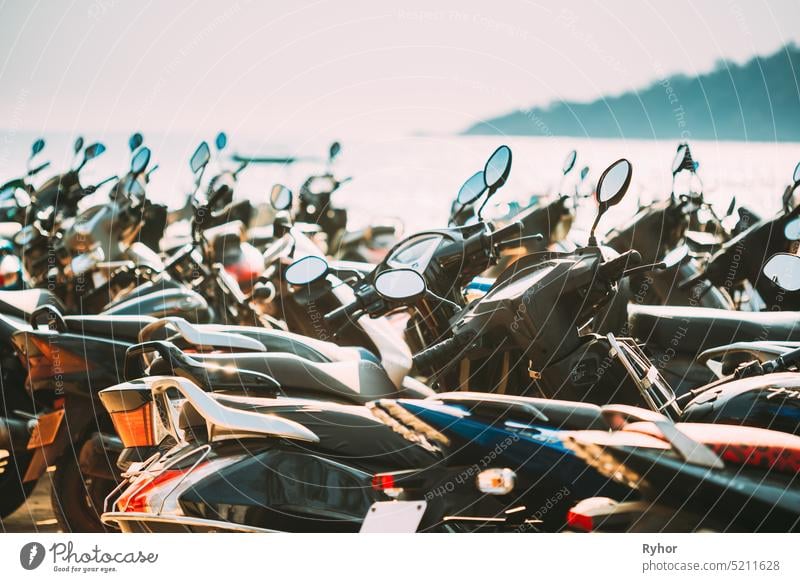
x=199, y=338
x=221, y=422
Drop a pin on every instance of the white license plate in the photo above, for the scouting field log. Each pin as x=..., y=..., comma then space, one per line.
x=394, y=517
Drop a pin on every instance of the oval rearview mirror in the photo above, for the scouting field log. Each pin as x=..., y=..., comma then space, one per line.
x=400, y=285
x=306, y=271
x=280, y=197
x=78, y=145
x=92, y=151
x=584, y=172
x=472, y=189
x=497, y=168
x=569, y=162
x=200, y=158
x=783, y=269
x=796, y=175
x=614, y=183
x=680, y=155
x=135, y=141
x=792, y=229
x=37, y=147
x=221, y=141
x=140, y=161
x=334, y=150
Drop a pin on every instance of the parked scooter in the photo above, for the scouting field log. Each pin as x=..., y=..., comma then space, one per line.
x=691, y=476
x=368, y=245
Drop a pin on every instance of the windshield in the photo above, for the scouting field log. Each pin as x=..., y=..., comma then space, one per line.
x=416, y=252
x=517, y=287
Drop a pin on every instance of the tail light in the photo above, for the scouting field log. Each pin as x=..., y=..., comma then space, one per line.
x=605, y=514
x=135, y=498
x=395, y=483
x=46, y=359
x=385, y=483
x=580, y=521
x=10, y=269
x=135, y=427
x=248, y=265
x=130, y=406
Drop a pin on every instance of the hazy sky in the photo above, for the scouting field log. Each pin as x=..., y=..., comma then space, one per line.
x=341, y=67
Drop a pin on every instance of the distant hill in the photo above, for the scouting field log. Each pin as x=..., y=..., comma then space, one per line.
x=757, y=101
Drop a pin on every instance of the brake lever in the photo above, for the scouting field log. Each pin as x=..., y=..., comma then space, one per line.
x=644, y=268
x=518, y=242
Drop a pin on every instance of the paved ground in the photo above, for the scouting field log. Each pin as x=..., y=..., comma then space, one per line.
x=35, y=515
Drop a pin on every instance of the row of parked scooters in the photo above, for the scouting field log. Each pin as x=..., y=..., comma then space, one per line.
x=208, y=370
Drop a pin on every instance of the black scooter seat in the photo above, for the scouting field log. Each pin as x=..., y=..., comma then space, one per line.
x=694, y=329
x=353, y=382
x=23, y=303
x=115, y=327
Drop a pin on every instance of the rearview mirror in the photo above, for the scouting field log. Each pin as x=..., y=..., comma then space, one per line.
x=200, y=158
x=280, y=197
x=569, y=162
x=400, y=285
x=78, y=145
x=221, y=141
x=472, y=189
x=731, y=207
x=783, y=269
x=584, y=172
x=135, y=141
x=334, y=150
x=680, y=157
x=306, y=271
x=611, y=189
x=796, y=175
x=36, y=148
x=140, y=161
x=614, y=183
x=91, y=152
x=497, y=168
x=792, y=229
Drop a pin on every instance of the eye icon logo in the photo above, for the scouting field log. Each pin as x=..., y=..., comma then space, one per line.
x=31, y=555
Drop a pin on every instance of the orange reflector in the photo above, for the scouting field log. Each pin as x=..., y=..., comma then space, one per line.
x=135, y=427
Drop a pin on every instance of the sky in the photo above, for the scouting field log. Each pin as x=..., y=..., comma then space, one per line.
x=347, y=68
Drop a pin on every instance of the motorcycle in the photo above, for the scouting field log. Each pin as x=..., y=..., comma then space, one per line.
x=690, y=476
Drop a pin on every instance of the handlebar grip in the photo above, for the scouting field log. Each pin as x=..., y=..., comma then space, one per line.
x=442, y=352
x=513, y=230
x=612, y=270
x=341, y=315
x=783, y=362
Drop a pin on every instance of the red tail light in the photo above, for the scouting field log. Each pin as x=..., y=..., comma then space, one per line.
x=135, y=427
x=580, y=521
x=46, y=360
x=248, y=266
x=136, y=497
x=383, y=481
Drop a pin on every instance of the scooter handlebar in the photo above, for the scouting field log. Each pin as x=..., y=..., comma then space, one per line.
x=442, y=352
x=341, y=315
x=613, y=270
